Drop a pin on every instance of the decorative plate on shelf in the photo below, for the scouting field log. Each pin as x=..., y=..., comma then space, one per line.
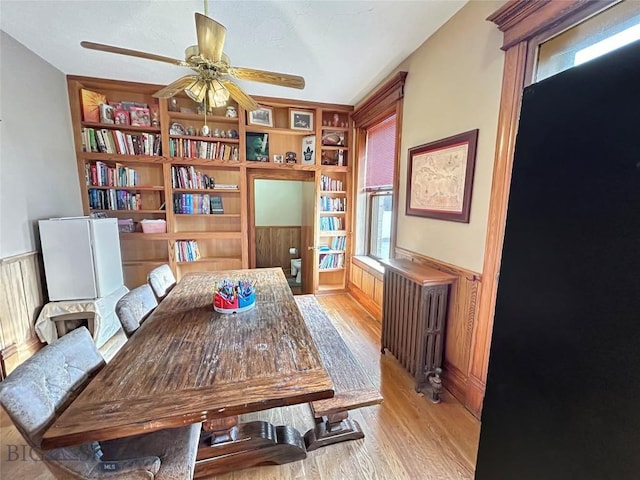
x=177, y=129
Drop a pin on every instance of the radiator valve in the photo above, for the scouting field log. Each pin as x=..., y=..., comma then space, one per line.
x=436, y=384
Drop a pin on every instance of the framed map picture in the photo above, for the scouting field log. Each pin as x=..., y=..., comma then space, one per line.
x=440, y=178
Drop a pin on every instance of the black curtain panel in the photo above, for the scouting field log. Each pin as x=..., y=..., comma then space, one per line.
x=563, y=389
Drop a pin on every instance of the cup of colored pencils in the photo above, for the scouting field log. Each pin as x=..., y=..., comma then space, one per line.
x=234, y=297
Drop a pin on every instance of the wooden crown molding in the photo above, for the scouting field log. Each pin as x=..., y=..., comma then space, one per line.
x=380, y=101
x=522, y=20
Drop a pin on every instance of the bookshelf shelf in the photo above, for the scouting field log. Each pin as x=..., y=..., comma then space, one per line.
x=206, y=139
x=150, y=263
x=144, y=236
x=204, y=235
x=199, y=118
x=125, y=128
x=333, y=147
x=211, y=260
x=114, y=157
x=278, y=131
x=332, y=212
x=326, y=270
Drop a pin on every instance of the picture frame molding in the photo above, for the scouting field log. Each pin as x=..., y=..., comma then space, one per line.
x=292, y=119
x=442, y=147
x=252, y=120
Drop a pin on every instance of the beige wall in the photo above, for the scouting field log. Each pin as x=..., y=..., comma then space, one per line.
x=278, y=202
x=453, y=86
x=38, y=176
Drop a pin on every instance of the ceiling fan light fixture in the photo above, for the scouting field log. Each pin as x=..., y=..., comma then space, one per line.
x=197, y=91
x=218, y=94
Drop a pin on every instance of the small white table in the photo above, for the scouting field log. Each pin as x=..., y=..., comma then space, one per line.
x=100, y=313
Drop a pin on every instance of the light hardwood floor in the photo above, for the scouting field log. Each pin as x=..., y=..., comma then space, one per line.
x=406, y=437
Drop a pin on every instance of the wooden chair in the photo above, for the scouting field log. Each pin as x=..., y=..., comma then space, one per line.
x=161, y=280
x=39, y=389
x=134, y=308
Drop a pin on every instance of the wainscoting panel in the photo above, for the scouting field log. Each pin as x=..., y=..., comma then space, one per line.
x=272, y=246
x=366, y=285
x=22, y=298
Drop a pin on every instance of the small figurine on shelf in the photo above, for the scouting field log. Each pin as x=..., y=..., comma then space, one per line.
x=336, y=120
x=291, y=157
x=232, y=133
x=216, y=132
x=231, y=112
x=173, y=105
x=205, y=131
x=191, y=131
x=154, y=108
x=223, y=134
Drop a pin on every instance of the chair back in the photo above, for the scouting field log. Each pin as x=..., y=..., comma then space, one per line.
x=161, y=280
x=43, y=386
x=134, y=307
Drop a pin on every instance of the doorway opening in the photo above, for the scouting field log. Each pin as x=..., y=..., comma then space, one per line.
x=281, y=226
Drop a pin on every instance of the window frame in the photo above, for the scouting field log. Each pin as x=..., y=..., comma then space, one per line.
x=371, y=194
x=380, y=105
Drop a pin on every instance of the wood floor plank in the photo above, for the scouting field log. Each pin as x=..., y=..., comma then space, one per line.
x=406, y=437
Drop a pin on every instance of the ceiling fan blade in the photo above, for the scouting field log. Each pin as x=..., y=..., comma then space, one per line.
x=176, y=87
x=132, y=53
x=239, y=95
x=211, y=35
x=282, y=79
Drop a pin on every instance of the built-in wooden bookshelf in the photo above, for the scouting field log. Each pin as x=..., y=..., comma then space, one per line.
x=195, y=178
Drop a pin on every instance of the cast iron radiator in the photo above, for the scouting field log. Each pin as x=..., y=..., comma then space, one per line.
x=413, y=321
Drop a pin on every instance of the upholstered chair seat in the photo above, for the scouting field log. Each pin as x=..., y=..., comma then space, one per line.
x=134, y=307
x=161, y=280
x=37, y=391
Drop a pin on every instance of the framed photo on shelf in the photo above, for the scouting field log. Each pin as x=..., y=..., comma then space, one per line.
x=262, y=117
x=257, y=147
x=300, y=119
x=440, y=178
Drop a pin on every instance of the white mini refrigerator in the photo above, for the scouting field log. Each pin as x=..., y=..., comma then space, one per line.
x=81, y=257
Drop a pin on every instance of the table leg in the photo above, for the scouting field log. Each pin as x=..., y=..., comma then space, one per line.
x=332, y=429
x=227, y=445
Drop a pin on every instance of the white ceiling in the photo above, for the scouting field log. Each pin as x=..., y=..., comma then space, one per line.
x=342, y=48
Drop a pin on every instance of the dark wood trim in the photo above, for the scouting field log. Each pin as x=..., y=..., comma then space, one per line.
x=381, y=103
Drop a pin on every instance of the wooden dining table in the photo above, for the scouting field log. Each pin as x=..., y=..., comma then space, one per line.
x=189, y=364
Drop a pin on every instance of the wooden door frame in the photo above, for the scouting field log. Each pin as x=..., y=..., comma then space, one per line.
x=259, y=174
x=525, y=24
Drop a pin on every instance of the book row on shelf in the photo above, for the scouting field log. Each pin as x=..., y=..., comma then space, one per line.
x=329, y=204
x=337, y=243
x=99, y=174
x=329, y=184
x=331, y=260
x=189, y=177
x=113, y=199
x=187, y=148
x=197, y=203
x=115, y=141
x=331, y=223
x=187, y=251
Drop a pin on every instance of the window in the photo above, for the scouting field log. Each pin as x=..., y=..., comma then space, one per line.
x=378, y=186
x=613, y=28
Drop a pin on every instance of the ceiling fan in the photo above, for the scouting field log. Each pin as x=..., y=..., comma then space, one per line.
x=213, y=82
